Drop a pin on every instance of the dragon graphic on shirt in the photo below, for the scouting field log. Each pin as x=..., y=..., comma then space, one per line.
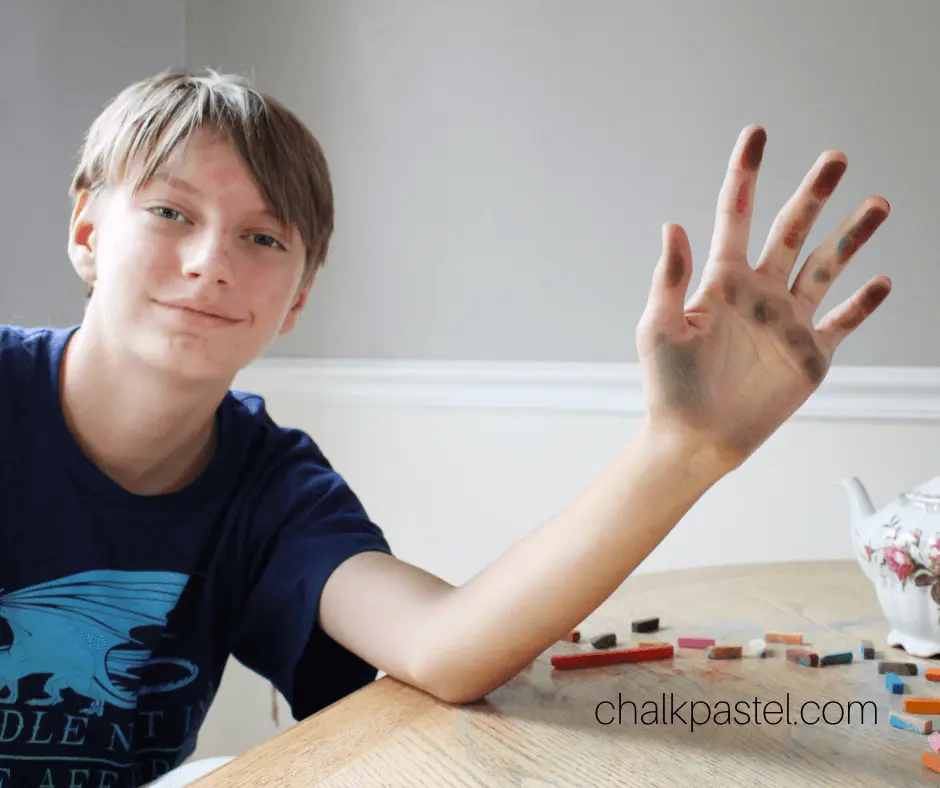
x=78, y=630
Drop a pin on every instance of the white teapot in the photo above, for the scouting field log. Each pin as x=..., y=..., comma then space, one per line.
x=898, y=548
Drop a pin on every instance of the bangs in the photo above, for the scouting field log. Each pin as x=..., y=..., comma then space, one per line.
x=148, y=121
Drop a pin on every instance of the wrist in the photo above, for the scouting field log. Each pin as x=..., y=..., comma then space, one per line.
x=693, y=451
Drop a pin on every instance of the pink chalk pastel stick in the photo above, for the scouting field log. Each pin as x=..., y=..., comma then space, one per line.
x=934, y=741
x=695, y=642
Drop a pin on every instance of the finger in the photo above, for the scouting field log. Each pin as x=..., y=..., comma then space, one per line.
x=829, y=259
x=796, y=218
x=665, y=306
x=843, y=319
x=736, y=199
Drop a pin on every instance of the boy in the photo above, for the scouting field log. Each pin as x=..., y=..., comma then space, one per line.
x=155, y=522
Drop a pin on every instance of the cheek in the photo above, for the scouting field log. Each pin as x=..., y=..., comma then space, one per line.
x=271, y=291
x=130, y=258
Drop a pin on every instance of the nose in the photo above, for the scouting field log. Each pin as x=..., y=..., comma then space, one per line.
x=208, y=257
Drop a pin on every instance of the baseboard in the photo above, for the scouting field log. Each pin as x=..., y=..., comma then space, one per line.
x=855, y=393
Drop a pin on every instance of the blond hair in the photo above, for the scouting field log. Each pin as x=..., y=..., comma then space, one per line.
x=146, y=121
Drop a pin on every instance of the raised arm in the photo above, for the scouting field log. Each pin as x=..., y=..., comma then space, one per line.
x=721, y=373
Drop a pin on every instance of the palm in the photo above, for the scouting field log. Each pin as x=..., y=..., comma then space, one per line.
x=744, y=354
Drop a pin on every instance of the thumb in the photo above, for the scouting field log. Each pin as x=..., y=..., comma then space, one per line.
x=666, y=305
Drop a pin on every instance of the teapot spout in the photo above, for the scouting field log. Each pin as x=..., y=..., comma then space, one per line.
x=859, y=501
x=861, y=508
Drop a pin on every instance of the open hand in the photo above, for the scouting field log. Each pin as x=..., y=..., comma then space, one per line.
x=735, y=362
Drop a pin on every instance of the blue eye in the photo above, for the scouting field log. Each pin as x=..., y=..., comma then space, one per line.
x=175, y=214
x=267, y=238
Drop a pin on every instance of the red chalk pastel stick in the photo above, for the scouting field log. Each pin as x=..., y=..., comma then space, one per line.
x=610, y=657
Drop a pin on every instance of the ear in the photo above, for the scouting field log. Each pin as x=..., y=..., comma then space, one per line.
x=83, y=237
x=300, y=301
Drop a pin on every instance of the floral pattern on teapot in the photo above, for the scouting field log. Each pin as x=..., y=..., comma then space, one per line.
x=907, y=559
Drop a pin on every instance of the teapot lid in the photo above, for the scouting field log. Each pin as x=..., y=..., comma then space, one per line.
x=926, y=495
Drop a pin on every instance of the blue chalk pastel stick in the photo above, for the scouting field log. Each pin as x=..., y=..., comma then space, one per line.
x=909, y=723
x=894, y=684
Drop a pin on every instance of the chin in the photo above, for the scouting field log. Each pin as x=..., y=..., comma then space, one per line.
x=189, y=357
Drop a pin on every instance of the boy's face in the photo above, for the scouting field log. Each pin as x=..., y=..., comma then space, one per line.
x=196, y=239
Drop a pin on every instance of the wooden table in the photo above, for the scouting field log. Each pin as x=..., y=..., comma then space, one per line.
x=558, y=728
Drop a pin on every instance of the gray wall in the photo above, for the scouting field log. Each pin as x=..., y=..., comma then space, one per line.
x=60, y=61
x=502, y=168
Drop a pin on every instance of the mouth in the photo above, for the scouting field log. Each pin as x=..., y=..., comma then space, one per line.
x=202, y=316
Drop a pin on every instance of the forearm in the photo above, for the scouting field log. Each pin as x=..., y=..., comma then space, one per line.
x=730, y=363
x=489, y=629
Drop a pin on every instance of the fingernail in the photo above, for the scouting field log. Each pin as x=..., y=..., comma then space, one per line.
x=828, y=178
x=754, y=150
x=874, y=296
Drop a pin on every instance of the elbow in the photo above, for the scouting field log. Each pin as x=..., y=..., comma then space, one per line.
x=462, y=686
x=453, y=684
x=456, y=693
x=453, y=672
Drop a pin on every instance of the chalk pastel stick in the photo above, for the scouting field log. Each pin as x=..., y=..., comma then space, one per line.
x=605, y=640
x=922, y=705
x=803, y=656
x=836, y=658
x=907, y=722
x=931, y=761
x=901, y=668
x=894, y=684
x=758, y=647
x=591, y=659
x=695, y=642
x=723, y=652
x=933, y=740
x=792, y=638
x=645, y=625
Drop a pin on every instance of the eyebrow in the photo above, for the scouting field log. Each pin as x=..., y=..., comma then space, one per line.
x=173, y=180
x=186, y=186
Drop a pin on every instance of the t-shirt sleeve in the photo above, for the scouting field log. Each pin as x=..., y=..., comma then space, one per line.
x=317, y=522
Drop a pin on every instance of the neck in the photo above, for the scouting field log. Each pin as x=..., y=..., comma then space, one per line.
x=148, y=432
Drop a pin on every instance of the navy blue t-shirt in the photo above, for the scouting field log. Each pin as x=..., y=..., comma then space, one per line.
x=118, y=612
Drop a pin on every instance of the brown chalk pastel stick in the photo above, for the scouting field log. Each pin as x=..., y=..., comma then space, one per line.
x=792, y=638
x=724, y=652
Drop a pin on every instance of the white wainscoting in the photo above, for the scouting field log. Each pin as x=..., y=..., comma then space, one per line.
x=457, y=461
